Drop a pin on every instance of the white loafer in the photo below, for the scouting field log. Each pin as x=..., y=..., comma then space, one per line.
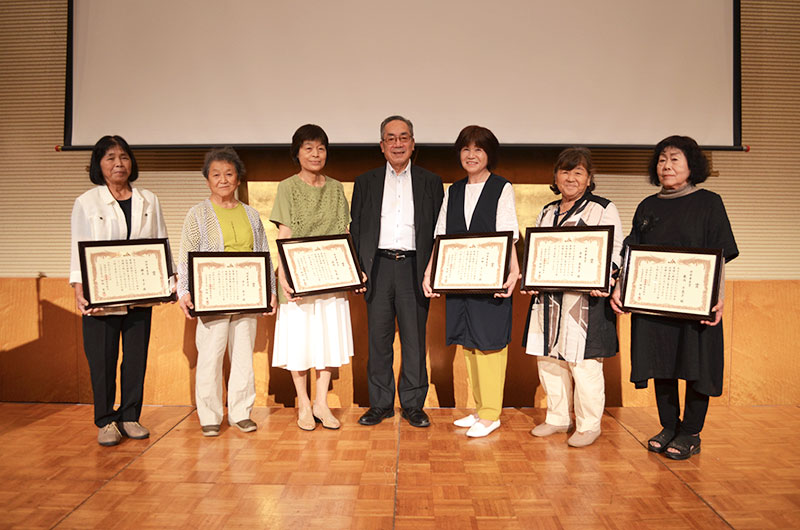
x=479, y=430
x=466, y=421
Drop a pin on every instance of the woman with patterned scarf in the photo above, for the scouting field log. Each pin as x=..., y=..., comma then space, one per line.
x=571, y=332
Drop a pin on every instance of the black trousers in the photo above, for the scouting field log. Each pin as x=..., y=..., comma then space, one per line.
x=101, y=345
x=695, y=407
x=395, y=295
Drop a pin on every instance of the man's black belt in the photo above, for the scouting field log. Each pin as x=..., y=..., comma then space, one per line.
x=396, y=255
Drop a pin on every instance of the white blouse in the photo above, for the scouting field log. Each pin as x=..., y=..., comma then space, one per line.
x=506, y=209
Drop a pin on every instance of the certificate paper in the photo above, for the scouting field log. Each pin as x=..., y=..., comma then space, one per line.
x=229, y=282
x=321, y=264
x=125, y=272
x=471, y=263
x=570, y=258
x=677, y=282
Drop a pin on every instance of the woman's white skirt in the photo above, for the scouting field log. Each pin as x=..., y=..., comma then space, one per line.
x=314, y=332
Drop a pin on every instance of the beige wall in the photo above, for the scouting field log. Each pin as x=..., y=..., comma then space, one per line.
x=40, y=352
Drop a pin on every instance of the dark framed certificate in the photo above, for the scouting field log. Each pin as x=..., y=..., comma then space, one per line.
x=229, y=282
x=320, y=264
x=471, y=263
x=125, y=272
x=568, y=258
x=670, y=281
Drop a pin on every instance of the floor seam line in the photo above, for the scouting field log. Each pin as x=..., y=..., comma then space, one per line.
x=694, y=492
x=123, y=468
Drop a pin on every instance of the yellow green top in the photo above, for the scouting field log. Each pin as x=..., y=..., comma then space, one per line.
x=236, y=230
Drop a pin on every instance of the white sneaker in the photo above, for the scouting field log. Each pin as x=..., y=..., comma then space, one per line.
x=466, y=421
x=479, y=430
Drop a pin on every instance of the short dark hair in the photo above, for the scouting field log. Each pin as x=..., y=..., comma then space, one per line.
x=396, y=117
x=307, y=133
x=481, y=137
x=699, y=168
x=225, y=154
x=99, y=151
x=569, y=159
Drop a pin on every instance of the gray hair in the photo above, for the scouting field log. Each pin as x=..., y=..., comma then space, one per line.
x=397, y=118
x=225, y=154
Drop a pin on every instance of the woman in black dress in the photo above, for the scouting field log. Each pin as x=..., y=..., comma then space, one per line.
x=667, y=349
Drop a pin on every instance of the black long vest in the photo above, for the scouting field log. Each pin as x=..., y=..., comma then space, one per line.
x=477, y=320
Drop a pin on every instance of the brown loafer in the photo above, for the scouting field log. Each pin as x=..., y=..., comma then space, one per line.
x=246, y=425
x=210, y=430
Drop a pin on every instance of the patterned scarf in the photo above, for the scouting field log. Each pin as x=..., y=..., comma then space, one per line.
x=563, y=317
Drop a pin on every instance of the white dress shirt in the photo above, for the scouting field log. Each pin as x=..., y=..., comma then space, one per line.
x=397, y=211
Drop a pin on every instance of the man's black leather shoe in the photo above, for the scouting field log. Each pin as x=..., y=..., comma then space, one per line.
x=416, y=417
x=375, y=415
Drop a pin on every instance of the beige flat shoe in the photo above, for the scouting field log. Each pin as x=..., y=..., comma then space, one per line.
x=545, y=429
x=582, y=439
x=305, y=419
x=325, y=417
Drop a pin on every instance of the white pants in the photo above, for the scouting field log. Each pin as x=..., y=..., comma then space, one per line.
x=214, y=334
x=590, y=391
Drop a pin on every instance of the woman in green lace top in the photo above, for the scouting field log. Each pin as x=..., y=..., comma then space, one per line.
x=313, y=331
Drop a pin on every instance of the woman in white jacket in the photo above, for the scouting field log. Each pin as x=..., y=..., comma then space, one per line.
x=114, y=209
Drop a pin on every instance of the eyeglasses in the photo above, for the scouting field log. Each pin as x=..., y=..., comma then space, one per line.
x=403, y=138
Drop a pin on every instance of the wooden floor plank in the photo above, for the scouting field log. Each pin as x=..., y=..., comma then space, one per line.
x=393, y=475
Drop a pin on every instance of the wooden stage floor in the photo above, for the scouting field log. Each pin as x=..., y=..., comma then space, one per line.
x=393, y=475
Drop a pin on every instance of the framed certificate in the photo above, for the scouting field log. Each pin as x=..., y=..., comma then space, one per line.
x=668, y=281
x=568, y=258
x=471, y=263
x=125, y=272
x=229, y=282
x=320, y=264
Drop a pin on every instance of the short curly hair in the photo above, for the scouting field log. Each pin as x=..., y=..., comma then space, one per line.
x=569, y=159
x=699, y=168
x=225, y=154
x=99, y=151
x=481, y=137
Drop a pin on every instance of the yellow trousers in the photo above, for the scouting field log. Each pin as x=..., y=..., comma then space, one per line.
x=486, y=371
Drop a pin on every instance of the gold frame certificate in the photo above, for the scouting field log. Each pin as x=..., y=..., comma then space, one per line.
x=669, y=281
x=320, y=264
x=471, y=263
x=126, y=272
x=229, y=282
x=567, y=258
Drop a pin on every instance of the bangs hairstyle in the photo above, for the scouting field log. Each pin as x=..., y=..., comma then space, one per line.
x=307, y=133
x=225, y=154
x=481, y=137
x=569, y=159
x=699, y=168
x=99, y=151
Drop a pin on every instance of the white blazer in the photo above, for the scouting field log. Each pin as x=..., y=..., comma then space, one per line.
x=96, y=216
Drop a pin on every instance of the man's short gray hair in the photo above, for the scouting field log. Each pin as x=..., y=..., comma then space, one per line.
x=397, y=118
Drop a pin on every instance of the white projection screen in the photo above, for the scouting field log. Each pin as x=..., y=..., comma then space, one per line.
x=537, y=72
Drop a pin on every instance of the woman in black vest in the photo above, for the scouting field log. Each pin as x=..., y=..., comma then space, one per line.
x=480, y=324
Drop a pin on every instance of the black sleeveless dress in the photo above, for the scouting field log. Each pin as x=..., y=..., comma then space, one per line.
x=478, y=321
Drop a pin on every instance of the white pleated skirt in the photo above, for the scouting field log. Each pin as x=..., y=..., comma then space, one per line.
x=314, y=332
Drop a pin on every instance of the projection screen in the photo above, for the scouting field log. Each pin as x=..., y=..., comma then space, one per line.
x=207, y=72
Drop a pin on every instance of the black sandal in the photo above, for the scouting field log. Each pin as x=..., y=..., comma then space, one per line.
x=663, y=438
x=685, y=445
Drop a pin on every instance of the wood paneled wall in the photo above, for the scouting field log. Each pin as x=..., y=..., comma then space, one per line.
x=42, y=353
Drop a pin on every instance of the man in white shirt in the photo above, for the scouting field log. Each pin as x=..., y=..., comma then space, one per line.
x=394, y=210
